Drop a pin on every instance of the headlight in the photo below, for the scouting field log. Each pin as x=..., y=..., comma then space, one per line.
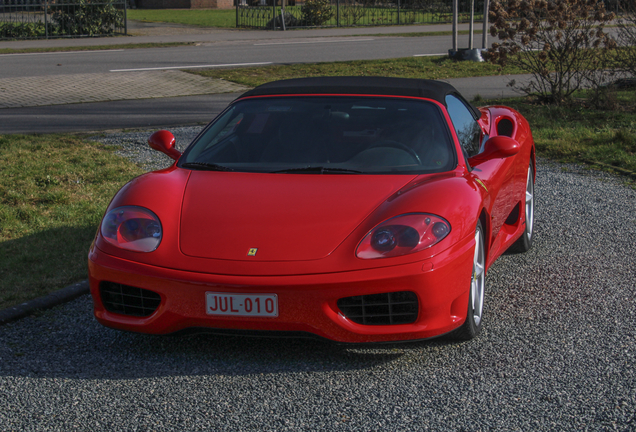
x=132, y=228
x=403, y=235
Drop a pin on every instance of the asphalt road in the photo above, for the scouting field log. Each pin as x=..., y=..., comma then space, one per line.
x=557, y=352
x=290, y=50
x=144, y=113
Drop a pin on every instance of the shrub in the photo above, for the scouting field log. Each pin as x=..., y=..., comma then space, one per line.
x=560, y=42
x=88, y=18
x=316, y=12
x=21, y=30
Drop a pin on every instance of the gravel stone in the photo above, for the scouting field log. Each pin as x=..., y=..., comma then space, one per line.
x=557, y=351
x=134, y=145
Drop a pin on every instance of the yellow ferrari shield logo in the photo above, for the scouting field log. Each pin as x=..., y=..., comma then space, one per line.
x=252, y=252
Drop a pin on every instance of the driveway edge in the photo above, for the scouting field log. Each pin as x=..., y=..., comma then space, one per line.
x=55, y=298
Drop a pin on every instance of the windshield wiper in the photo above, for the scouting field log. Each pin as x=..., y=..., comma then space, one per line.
x=206, y=166
x=318, y=170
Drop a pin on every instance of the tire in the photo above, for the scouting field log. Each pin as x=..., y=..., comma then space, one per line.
x=524, y=243
x=474, y=315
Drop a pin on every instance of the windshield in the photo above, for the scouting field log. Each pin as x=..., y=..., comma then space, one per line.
x=325, y=135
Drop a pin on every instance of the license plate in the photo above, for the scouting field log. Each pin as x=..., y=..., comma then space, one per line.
x=258, y=305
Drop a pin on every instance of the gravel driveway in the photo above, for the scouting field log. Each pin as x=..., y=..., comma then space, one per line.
x=557, y=352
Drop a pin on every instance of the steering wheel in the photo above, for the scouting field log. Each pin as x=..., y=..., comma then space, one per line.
x=397, y=145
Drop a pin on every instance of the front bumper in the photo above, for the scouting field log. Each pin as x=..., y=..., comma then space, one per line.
x=306, y=303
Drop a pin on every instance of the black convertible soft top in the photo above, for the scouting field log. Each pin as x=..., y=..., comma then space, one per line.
x=430, y=89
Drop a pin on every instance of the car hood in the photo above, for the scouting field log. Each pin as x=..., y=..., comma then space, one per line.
x=278, y=217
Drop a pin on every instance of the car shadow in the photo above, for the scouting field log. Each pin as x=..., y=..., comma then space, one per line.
x=66, y=342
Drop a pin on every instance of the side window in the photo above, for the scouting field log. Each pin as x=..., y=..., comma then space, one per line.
x=466, y=127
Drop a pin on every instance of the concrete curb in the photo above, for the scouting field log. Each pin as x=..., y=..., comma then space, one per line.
x=618, y=170
x=54, y=299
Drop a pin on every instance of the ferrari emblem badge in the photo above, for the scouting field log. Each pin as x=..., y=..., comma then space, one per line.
x=252, y=252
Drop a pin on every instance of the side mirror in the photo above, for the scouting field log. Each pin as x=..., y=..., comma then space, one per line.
x=163, y=141
x=498, y=147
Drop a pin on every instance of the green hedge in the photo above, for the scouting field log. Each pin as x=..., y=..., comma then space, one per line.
x=83, y=17
x=87, y=18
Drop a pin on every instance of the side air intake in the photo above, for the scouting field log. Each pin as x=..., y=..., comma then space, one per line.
x=128, y=300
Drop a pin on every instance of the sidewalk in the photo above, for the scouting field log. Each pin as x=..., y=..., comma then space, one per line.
x=110, y=86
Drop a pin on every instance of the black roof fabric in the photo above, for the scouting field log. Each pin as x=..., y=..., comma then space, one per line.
x=436, y=90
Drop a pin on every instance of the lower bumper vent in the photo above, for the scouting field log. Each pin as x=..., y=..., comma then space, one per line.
x=127, y=300
x=381, y=309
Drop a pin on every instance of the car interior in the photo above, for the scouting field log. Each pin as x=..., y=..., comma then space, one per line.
x=366, y=135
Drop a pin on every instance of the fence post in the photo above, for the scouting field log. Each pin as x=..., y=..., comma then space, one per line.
x=125, y=18
x=274, y=15
x=399, y=3
x=237, y=12
x=337, y=13
x=455, y=20
x=484, y=37
x=471, y=25
x=282, y=14
x=46, y=21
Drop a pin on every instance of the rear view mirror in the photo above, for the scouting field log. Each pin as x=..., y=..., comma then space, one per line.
x=498, y=147
x=164, y=141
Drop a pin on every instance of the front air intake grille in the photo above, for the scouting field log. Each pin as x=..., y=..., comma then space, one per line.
x=381, y=309
x=127, y=300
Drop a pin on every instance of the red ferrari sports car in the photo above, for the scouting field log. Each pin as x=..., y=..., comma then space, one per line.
x=357, y=209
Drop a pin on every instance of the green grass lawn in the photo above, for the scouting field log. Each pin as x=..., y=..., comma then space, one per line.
x=583, y=134
x=224, y=18
x=53, y=192
x=409, y=67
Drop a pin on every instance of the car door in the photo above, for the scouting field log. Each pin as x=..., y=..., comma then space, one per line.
x=495, y=175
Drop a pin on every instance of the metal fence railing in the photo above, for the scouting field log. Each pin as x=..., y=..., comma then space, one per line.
x=268, y=14
x=44, y=19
